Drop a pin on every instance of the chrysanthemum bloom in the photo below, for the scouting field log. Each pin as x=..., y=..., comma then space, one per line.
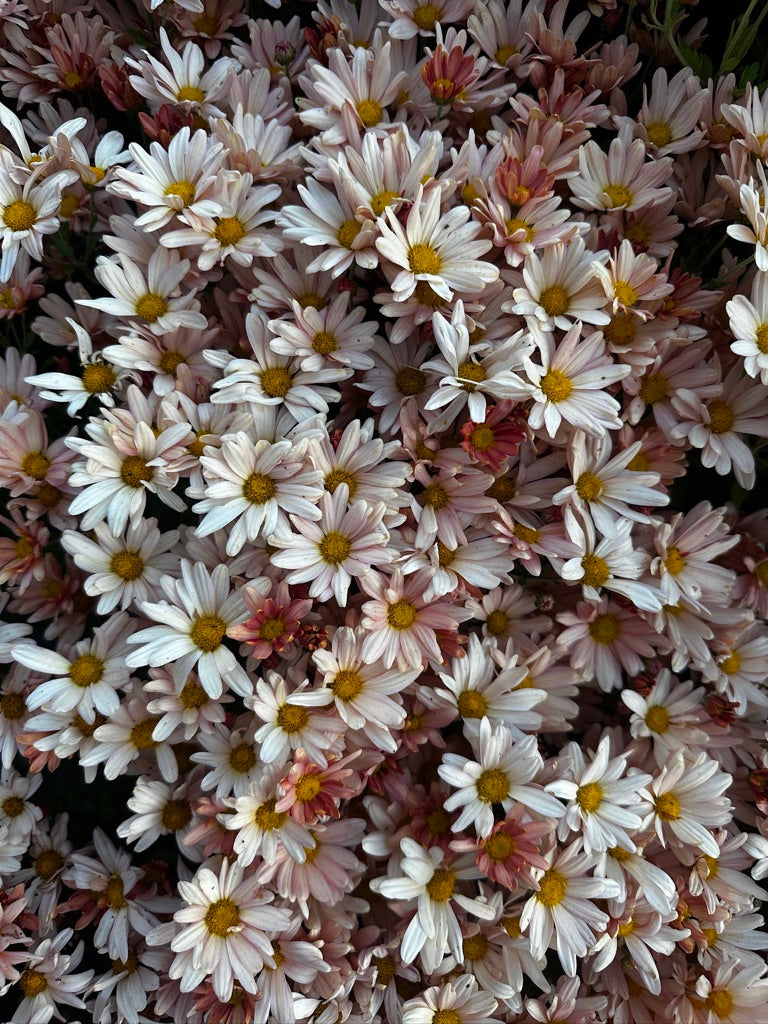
x=570, y=384
x=28, y=461
x=458, y=1000
x=48, y=981
x=128, y=736
x=688, y=800
x=434, y=250
x=752, y=199
x=160, y=809
x=511, y=849
x=293, y=719
x=28, y=212
x=434, y=882
x=200, y=609
x=733, y=995
x=669, y=119
x=740, y=671
x=621, y=179
x=331, y=335
x=223, y=933
x=502, y=774
x=273, y=623
x=255, y=484
x=310, y=791
x=561, y=287
x=748, y=318
x=563, y=907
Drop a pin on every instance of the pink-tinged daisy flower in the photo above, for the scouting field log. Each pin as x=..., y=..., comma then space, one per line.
x=200, y=609
x=510, y=850
x=411, y=18
x=731, y=994
x=345, y=543
x=686, y=547
x=170, y=181
x=261, y=829
x=629, y=279
x=436, y=250
x=612, y=563
x=471, y=564
x=151, y=295
x=223, y=930
x=397, y=383
x=639, y=931
x=28, y=461
x=274, y=621
x=28, y=212
x=570, y=384
x=501, y=775
x=496, y=438
x=363, y=693
x=310, y=791
x=253, y=484
x=170, y=358
x=160, y=809
x=402, y=627
x=448, y=502
x=601, y=796
x=561, y=287
x=457, y=1000
x=668, y=121
x=123, y=570
x=605, y=488
x=334, y=334
x=740, y=670
x=48, y=982
x=186, y=711
x=128, y=737
x=562, y=907
x=676, y=369
x=87, y=681
x=752, y=201
x=295, y=959
x=621, y=179
x=434, y=883
x=687, y=800
x=19, y=817
x=748, y=318
x=292, y=720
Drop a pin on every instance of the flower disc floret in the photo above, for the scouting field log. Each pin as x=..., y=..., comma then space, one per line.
x=442, y=885
x=19, y=215
x=335, y=548
x=151, y=307
x=259, y=488
x=492, y=786
x=424, y=259
x=208, y=632
x=221, y=917
x=556, y=385
x=86, y=670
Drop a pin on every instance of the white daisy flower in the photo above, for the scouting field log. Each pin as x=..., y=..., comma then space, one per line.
x=293, y=719
x=195, y=619
x=334, y=334
x=159, y=809
x=28, y=212
x=501, y=775
x=621, y=179
x=561, y=287
x=232, y=755
x=456, y=1001
x=48, y=982
x=748, y=318
x=671, y=716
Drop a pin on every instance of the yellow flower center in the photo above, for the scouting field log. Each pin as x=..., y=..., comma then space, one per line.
x=438, y=821
x=589, y=797
x=425, y=16
x=527, y=534
x=385, y=968
x=475, y=947
x=441, y=885
x=134, y=471
x=555, y=300
x=720, y=416
x=73, y=80
x=482, y=438
x=639, y=464
x=170, y=361
x=761, y=573
x=271, y=629
x=720, y=1002
x=176, y=815
x=381, y=201
x=410, y=381
x=13, y=707
x=347, y=233
x=19, y=215
x=307, y=788
x=621, y=331
x=369, y=112
x=596, y=571
x=667, y=806
x=70, y=204
x=258, y=488
x=499, y=846
x=12, y=806
x=128, y=966
x=552, y=888
x=638, y=233
x=335, y=548
x=472, y=373
x=221, y=917
x=151, y=307
x=761, y=338
x=731, y=664
x=625, y=293
x=619, y=853
x=242, y=758
x=493, y=786
x=589, y=487
x=325, y=342
x=604, y=628
x=228, y=231
x=193, y=696
x=86, y=670
x=659, y=133
x=511, y=926
x=515, y=224
x=472, y=704
x=435, y=496
x=674, y=563
x=115, y=893
x=503, y=53
x=712, y=865
x=340, y=476
x=33, y=983
x=292, y=718
x=426, y=295
x=141, y=735
x=401, y=615
x=347, y=685
x=191, y=93
x=469, y=194
x=423, y=259
x=657, y=719
x=47, y=863
x=618, y=195
x=654, y=388
x=276, y=382
x=266, y=818
x=185, y=190
x=556, y=385
x=205, y=24
x=36, y=465
x=626, y=929
x=98, y=378
x=128, y=565
x=208, y=632
x=311, y=299
x=497, y=622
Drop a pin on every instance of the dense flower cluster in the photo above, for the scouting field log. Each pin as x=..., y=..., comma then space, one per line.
x=362, y=428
